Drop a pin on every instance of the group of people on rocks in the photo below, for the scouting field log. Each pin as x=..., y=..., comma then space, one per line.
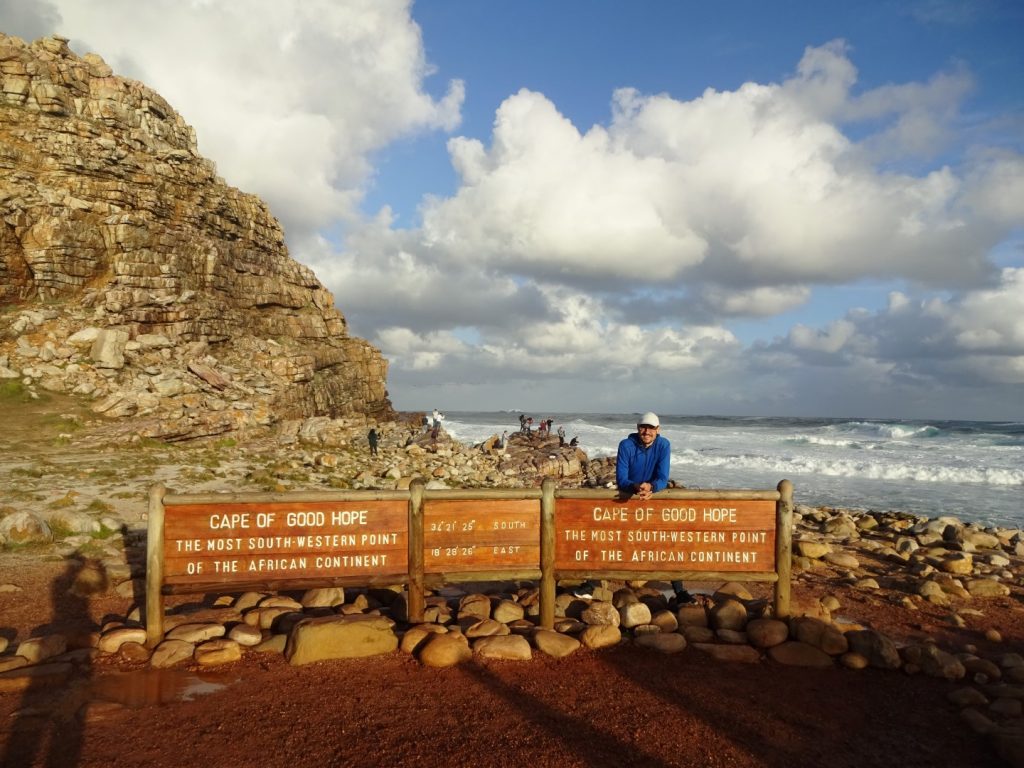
x=543, y=429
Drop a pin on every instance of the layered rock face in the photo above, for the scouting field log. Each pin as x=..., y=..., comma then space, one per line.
x=111, y=222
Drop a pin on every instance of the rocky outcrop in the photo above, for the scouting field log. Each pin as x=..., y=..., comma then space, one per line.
x=132, y=274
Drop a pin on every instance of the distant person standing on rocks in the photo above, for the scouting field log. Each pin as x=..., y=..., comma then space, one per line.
x=371, y=438
x=641, y=470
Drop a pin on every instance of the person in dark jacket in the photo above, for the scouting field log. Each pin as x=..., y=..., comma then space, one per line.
x=641, y=470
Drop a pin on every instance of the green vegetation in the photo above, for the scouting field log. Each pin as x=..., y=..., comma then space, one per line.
x=100, y=507
x=65, y=501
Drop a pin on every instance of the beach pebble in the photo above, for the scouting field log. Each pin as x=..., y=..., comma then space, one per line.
x=666, y=643
x=111, y=642
x=841, y=560
x=602, y=613
x=485, y=628
x=601, y=635
x=634, y=615
x=508, y=647
x=245, y=635
x=196, y=633
x=170, y=653
x=37, y=649
x=986, y=588
x=691, y=616
x=445, y=650
x=507, y=611
x=764, y=633
x=555, y=644
x=728, y=614
x=213, y=653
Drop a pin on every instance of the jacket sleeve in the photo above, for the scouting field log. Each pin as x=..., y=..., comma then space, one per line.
x=661, y=470
x=622, y=459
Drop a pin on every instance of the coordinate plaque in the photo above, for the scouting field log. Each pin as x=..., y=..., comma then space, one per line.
x=665, y=535
x=238, y=542
x=475, y=535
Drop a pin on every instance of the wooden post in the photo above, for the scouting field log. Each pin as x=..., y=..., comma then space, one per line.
x=783, y=548
x=417, y=601
x=547, y=554
x=155, y=567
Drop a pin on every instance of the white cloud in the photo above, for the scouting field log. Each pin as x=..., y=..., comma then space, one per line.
x=754, y=186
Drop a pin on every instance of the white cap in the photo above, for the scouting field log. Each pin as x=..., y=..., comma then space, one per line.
x=651, y=419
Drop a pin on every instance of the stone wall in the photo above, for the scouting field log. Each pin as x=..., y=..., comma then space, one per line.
x=109, y=215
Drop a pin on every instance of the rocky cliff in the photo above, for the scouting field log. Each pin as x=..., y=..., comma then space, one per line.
x=131, y=274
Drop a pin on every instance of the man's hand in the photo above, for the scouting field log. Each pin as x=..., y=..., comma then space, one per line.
x=643, y=491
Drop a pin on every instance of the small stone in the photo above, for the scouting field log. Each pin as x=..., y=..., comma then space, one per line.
x=634, y=615
x=324, y=597
x=842, y=560
x=245, y=635
x=171, y=652
x=134, y=652
x=728, y=614
x=598, y=636
x=445, y=650
x=764, y=633
x=111, y=642
x=601, y=614
x=555, y=644
x=967, y=697
x=671, y=642
x=507, y=611
x=852, y=660
x=196, y=633
x=214, y=653
x=976, y=721
x=37, y=649
x=508, y=647
x=691, y=616
x=986, y=588
x=486, y=628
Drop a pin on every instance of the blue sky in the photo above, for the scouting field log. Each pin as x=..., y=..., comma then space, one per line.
x=789, y=208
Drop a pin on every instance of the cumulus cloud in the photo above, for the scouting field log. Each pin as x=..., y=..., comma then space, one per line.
x=974, y=337
x=750, y=188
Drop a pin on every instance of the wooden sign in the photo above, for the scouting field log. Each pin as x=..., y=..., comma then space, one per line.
x=480, y=535
x=665, y=535
x=243, y=542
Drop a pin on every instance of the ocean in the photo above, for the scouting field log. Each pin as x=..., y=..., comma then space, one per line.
x=973, y=470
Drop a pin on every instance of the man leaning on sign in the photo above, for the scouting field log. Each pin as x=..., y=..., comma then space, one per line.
x=642, y=463
x=641, y=469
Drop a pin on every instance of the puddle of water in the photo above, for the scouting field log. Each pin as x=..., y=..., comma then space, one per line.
x=147, y=687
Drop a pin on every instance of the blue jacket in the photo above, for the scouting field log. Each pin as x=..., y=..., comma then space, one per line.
x=636, y=464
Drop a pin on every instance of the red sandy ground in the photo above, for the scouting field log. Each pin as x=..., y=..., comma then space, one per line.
x=621, y=707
